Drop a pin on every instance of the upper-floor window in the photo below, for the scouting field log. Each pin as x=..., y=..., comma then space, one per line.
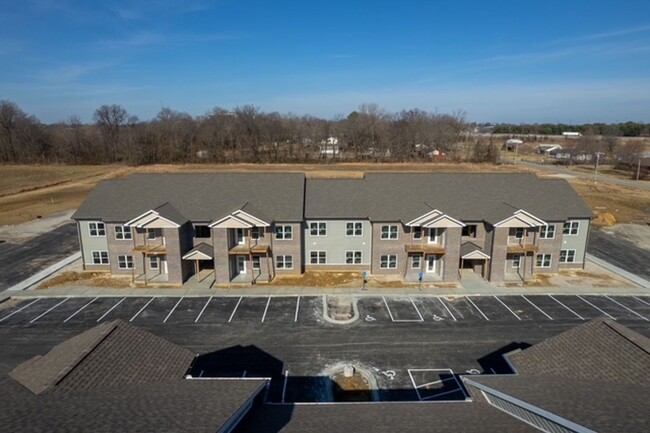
x=571, y=228
x=283, y=232
x=417, y=232
x=354, y=229
x=152, y=234
x=255, y=233
x=318, y=229
x=318, y=257
x=122, y=233
x=389, y=232
x=547, y=232
x=202, y=231
x=434, y=236
x=96, y=229
x=519, y=233
x=469, y=230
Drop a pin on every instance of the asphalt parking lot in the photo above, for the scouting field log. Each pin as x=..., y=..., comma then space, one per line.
x=414, y=346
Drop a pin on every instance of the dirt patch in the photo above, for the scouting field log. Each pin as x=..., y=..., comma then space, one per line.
x=93, y=279
x=604, y=219
x=354, y=388
x=638, y=234
x=340, y=307
x=627, y=205
x=319, y=278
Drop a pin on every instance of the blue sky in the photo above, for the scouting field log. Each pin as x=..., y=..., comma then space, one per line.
x=500, y=61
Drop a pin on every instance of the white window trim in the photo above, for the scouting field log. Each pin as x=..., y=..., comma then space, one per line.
x=156, y=261
x=354, y=228
x=318, y=254
x=284, y=266
x=283, y=228
x=353, y=257
x=318, y=223
x=149, y=231
x=381, y=232
x=570, y=228
x=92, y=258
x=388, y=266
x=419, y=266
x=437, y=238
x=523, y=233
x=567, y=256
x=96, y=223
x=242, y=240
x=518, y=262
x=259, y=233
x=550, y=261
x=435, y=264
x=413, y=234
x=125, y=262
x=259, y=263
x=123, y=228
x=547, y=227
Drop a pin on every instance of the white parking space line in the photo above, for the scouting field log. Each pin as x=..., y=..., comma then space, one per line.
x=416, y=309
x=446, y=308
x=641, y=300
x=628, y=309
x=459, y=385
x=111, y=309
x=20, y=309
x=50, y=309
x=141, y=309
x=244, y=375
x=235, y=309
x=579, y=316
x=388, y=308
x=295, y=317
x=538, y=309
x=284, y=387
x=604, y=312
x=442, y=393
x=268, y=302
x=172, y=310
x=477, y=308
x=201, y=373
x=435, y=381
x=509, y=309
x=79, y=310
x=203, y=309
x=414, y=385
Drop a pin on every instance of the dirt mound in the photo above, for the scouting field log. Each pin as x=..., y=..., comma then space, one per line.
x=604, y=219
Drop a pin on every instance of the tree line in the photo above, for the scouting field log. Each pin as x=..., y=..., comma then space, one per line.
x=627, y=129
x=244, y=134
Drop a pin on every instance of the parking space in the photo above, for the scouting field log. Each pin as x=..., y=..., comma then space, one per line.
x=373, y=310
x=434, y=309
x=402, y=309
x=437, y=384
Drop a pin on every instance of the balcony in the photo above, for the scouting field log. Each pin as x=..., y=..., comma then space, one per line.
x=424, y=249
x=246, y=249
x=150, y=249
x=522, y=248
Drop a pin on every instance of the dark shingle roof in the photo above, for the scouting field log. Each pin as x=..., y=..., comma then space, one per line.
x=197, y=196
x=110, y=354
x=381, y=418
x=466, y=196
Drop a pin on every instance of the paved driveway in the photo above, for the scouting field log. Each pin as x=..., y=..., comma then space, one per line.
x=619, y=252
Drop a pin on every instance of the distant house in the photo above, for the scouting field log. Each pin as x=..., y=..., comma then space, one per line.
x=548, y=149
x=513, y=144
x=329, y=149
x=569, y=134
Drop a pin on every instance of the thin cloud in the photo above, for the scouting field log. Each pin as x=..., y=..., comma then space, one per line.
x=149, y=39
x=140, y=9
x=72, y=72
x=603, y=35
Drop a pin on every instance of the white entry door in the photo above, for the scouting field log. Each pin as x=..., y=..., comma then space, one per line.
x=241, y=264
x=432, y=263
x=163, y=264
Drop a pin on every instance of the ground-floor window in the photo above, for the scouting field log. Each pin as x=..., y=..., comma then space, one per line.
x=318, y=257
x=516, y=261
x=100, y=257
x=353, y=257
x=432, y=263
x=284, y=262
x=416, y=261
x=153, y=262
x=567, y=256
x=125, y=262
x=256, y=263
x=388, y=261
x=543, y=260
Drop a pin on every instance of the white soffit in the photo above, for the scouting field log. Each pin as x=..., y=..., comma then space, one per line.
x=521, y=218
x=230, y=222
x=254, y=221
x=443, y=221
x=143, y=219
x=476, y=254
x=424, y=218
x=196, y=255
x=158, y=222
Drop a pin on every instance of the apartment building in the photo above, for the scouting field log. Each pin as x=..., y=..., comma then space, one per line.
x=248, y=228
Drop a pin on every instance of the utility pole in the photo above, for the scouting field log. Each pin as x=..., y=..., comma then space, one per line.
x=596, y=167
x=638, y=169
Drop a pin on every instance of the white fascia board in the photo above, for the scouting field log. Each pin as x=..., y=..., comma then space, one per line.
x=475, y=253
x=169, y=223
x=426, y=217
x=196, y=255
x=528, y=220
x=135, y=221
x=444, y=221
x=256, y=222
x=239, y=223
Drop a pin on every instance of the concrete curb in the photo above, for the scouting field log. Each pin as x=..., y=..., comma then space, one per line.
x=355, y=310
x=621, y=272
x=40, y=276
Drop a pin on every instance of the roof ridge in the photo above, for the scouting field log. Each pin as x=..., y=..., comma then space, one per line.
x=633, y=337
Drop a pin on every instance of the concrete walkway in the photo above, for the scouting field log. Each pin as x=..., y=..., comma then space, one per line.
x=473, y=282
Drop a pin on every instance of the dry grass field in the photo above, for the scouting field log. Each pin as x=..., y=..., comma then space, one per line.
x=27, y=192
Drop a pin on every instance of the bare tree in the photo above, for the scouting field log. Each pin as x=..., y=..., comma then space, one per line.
x=111, y=119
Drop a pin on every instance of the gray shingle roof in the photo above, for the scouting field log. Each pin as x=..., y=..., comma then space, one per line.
x=466, y=196
x=381, y=418
x=197, y=196
x=110, y=354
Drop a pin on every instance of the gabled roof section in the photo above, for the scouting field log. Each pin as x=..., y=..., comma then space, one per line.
x=110, y=354
x=163, y=216
x=202, y=251
x=521, y=218
x=240, y=219
x=469, y=251
x=434, y=219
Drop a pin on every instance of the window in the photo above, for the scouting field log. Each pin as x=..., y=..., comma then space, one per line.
x=516, y=261
x=543, y=260
x=519, y=233
x=469, y=230
x=125, y=262
x=202, y=231
x=100, y=257
x=284, y=262
x=318, y=257
x=547, y=232
x=256, y=263
x=571, y=228
x=434, y=236
x=151, y=234
x=388, y=261
x=432, y=263
x=417, y=232
x=567, y=256
x=122, y=232
x=353, y=257
x=354, y=229
x=416, y=261
x=153, y=262
x=255, y=233
x=97, y=229
x=389, y=232
x=283, y=233
x=318, y=229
